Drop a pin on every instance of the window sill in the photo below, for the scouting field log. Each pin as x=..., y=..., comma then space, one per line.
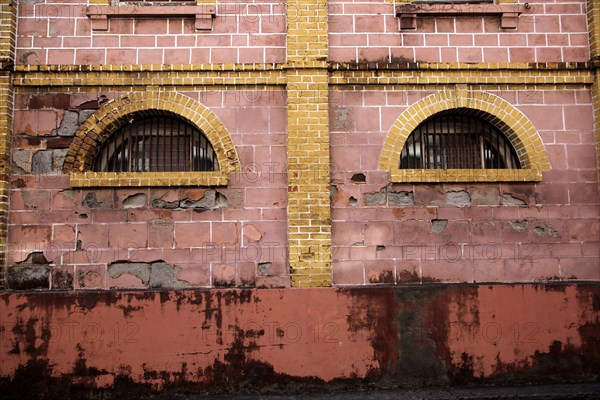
x=99, y=15
x=509, y=13
x=145, y=179
x=465, y=175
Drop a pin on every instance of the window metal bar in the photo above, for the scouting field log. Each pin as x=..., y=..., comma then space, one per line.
x=139, y=148
x=156, y=143
x=123, y=153
x=457, y=141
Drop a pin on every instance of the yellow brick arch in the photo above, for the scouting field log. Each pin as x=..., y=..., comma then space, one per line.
x=513, y=123
x=109, y=118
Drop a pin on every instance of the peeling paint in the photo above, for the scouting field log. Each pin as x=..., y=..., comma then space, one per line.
x=127, y=344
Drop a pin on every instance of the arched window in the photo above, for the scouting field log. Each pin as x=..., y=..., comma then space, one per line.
x=156, y=144
x=451, y=140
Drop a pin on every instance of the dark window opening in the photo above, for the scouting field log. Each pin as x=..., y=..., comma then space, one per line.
x=455, y=141
x=156, y=144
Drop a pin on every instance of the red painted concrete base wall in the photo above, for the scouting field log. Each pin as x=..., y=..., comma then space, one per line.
x=64, y=343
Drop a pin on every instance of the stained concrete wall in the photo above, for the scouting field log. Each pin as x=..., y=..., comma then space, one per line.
x=131, y=342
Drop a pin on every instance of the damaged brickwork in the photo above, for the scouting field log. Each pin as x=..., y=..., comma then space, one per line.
x=126, y=285
x=208, y=236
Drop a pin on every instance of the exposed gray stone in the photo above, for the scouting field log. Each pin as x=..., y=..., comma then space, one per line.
x=34, y=198
x=438, y=225
x=221, y=200
x=401, y=199
x=264, y=267
x=378, y=198
x=90, y=201
x=84, y=114
x=208, y=201
x=156, y=274
x=162, y=275
x=58, y=160
x=140, y=270
x=352, y=201
x=137, y=200
x=211, y=200
x=509, y=200
x=42, y=162
x=519, y=225
x=543, y=229
x=70, y=193
x=333, y=190
x=165, y=205
x=48, y=161
x=341, y=120
x=69, y=124
x=27, y=277
x=33, y=273
x=459, y=198
x=21, y=162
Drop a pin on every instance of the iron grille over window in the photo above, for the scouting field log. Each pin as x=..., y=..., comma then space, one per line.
x=455, y=141
x=156, y=144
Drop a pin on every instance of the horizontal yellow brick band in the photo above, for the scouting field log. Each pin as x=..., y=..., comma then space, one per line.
x=492, y=77
x=141, y=179
x=142, y=79
x=465, y=175
x=136, y=76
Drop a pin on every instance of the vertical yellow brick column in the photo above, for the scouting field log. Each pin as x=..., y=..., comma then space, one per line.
x=309, y=214
x=7, y=57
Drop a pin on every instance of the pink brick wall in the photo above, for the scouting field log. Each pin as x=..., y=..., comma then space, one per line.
x=551, y=233
x=58, y=32
x=81, y=231
x=550, y=31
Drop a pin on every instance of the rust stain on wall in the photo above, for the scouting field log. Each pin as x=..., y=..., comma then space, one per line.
x=269, y=341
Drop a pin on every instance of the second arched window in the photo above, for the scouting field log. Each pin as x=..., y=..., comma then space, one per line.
x=457, y=140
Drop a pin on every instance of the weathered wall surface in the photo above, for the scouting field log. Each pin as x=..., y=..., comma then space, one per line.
x=309, y=110
x=272, y=340
x=548, y=31
x=482, y=232
x=59, y=32
x=109, y=237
